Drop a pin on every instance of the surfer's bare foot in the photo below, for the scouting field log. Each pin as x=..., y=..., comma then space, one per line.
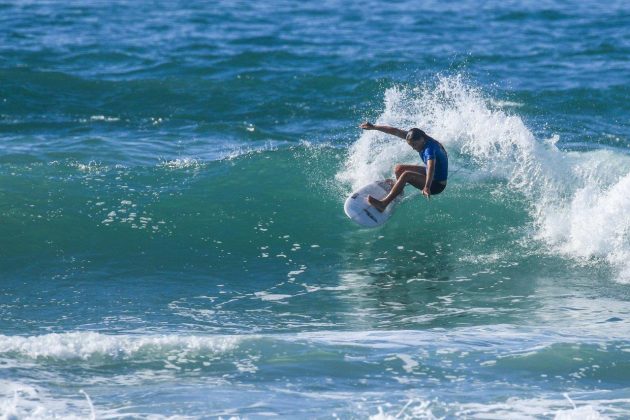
x=377, y=204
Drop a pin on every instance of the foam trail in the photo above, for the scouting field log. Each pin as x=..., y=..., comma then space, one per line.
x=578, y=202
x=89, y=401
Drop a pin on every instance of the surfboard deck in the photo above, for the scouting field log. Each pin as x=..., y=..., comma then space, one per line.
x=359, y=209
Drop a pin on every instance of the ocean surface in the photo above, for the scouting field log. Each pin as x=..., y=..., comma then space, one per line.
x=172, y=235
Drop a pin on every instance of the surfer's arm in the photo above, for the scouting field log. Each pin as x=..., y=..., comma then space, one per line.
x=426, y=191
x=385, y=129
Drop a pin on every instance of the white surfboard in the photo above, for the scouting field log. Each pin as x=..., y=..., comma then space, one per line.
x=359, y=209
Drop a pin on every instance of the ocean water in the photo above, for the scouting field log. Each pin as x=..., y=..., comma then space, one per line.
x=172, y=235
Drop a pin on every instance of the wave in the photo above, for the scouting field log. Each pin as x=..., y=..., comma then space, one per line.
x=577, y=201
x=574, y=203
x=488, y=341
x=407, y=356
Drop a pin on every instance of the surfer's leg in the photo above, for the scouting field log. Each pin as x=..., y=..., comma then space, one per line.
x=399, y=170
x=414, y=178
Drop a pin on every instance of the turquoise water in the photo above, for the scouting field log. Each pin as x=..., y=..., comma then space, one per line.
x=172, y=235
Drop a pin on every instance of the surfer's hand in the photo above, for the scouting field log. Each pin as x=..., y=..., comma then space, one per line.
x=367, y=126
x=426, y=191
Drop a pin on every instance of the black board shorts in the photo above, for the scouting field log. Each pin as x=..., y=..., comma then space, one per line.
x=437, y=187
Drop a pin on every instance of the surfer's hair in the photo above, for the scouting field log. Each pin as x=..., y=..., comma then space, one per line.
x=416, y=134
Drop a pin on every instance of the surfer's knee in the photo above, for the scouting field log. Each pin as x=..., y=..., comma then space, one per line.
x=406, y=175
x=399, y=170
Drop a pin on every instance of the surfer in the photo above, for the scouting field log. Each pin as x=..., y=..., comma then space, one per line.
x=430, y=179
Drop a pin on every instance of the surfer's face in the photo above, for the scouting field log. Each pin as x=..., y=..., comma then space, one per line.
x=416, y=145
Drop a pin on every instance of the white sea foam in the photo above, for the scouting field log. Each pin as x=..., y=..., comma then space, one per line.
x=503, y=340
x=86, y=345
x=90, y=167
x=104, y=118
x=532, y=408
x=181, y=163
x=594, y=222
x=579, y=202
x=414, y=409
x=586, y=412
x=512, y=408
x=30, y=402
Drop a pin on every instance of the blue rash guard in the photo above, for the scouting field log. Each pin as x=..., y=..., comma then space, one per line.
x=433, y=150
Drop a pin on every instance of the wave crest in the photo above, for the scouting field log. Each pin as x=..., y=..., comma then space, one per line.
x=577, y=201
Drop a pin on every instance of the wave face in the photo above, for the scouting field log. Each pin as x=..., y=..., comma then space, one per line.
x=172, y=235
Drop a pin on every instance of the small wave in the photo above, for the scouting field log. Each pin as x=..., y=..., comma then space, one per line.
x=87, y=345
x=243, y=151
x=505, y=339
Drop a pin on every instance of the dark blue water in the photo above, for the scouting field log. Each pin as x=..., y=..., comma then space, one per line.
x=172, y=235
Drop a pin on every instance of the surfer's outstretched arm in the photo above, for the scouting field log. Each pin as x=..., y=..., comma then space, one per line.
x=385, y=129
